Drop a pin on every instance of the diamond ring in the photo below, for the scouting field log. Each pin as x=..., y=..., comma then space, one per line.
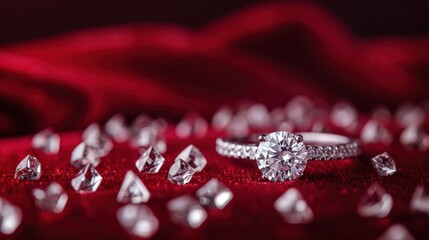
x=283, y=156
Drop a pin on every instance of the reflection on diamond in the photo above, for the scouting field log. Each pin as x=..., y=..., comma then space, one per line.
x=214, y=194
x=192, y=125
x=28, y=169
x=193, y=157
x=180, y=172
x=47, y=141
x=132, y=190
x=221, y=118
x=87, y=180
x=376, y=202
x=384, y=164
x=186, y=211
x=138, y=220
x=10, y=217
x=396, y=232
x=293, y=208
x=83, y=155
x=117, y=128
x=52, y=199
x=375, y=133
x=150, y=161
x=420, y=201
x=344, y=115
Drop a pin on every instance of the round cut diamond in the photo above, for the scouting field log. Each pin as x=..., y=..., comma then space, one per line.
x=281, y=156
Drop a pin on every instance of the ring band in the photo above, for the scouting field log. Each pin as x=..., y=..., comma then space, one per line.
x=283, y=156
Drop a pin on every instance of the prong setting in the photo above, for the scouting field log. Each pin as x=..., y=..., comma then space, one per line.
x=261, y=137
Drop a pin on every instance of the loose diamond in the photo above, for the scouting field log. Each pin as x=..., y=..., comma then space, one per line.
x=420, y=201
x=52, y=199
x=186, y=211
x=409, y=114
x=344, y=115
x=375, y=133
x=138, y=220
x=180, y=172
x=414, y=137
x=83, y=155
x=132, y=190
x=117, y=128
x=281, y=156
x=150, y=161
x=298, y=111
x=396, y=232
x=10, y=217
x=93, y=136
x=149, y=136
x=258, y=116
x=238, y=126
x=376, y=202
x=192, y=125
x=28, y=169
x=384, y=164
x=214, y=194
x=193, y=157
x=47, y=141
x=87, y=180
x=294, y=209
x=222, y=118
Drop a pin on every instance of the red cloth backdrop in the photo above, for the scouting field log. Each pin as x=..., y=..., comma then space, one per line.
x=267, y=53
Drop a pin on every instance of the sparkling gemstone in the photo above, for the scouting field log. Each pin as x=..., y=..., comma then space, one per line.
x=87, y=180
x=28, y=169
x=83, y=155
x=180, y=172
x=52, y=199
x=238, y=126
x=138, y=220
x=149, y=136
x=222, y=118
x=192, y=125
x=293, y=208
x=47, y=141
x=193, y=157
x=384, y=164
x=10, y=217
x=344, y=115
x=281, y=156
x=420, y=201
x=117, y=128
x=298, y=111
x=376, y=202
x=214, y=194
x=396, y=232
x=258, y=116
x=375, y=133
x=414, y=137
x=132, y=190
x=93, y=136
x=150, y=161
x=186, y=211
x=409, y=114
x=141, y=121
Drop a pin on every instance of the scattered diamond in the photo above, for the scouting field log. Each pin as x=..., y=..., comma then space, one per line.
x=384, y=164
x=28, y=169
x=52, y=199
x=396, y=232
x=193, y=157
x=293, y=208
x=344, y=115
x=408, y=114
x=138, y=220
x=214, y=194
x=93, y=136
x=186, y=211
x=420, y=200
x=180, y=172
x=222, y=118
x=375, y=133
x=150, y=161
x=414, y=137
x=10, y=217
x=258, y=116
x=376, y=202
x=238, y=126
x=298, y=108
x=192, y=125
x=87, y=180
x=47, y=141
x=132, y=190
x=149, y=136
x=117, y=128
x=83, y=155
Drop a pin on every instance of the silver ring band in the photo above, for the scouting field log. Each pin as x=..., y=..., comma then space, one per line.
x=320, y=146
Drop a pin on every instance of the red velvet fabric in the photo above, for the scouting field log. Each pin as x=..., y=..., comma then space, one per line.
x=267, y=53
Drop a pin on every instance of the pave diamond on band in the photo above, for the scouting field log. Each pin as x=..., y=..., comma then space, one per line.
x=282, y=156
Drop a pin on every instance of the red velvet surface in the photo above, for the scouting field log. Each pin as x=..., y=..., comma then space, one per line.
x=267, y=53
